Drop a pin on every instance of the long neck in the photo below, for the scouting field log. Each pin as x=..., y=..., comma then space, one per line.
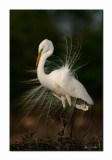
x=40, y=69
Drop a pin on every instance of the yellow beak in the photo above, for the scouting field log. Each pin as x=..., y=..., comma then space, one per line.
x=38, y=58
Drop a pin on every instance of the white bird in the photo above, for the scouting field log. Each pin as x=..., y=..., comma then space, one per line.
x=61, y=82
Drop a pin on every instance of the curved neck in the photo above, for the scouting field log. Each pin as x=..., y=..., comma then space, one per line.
x=40, y=69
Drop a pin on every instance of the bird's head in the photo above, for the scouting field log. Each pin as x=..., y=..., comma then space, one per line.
x=45, y=48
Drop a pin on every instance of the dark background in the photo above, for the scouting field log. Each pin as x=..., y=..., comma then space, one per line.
x=27, y=29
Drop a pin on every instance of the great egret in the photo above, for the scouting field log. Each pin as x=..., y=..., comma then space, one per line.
x=61, y=82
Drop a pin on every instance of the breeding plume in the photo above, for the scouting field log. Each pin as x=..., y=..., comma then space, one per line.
x=63, y=85
x=56, y=85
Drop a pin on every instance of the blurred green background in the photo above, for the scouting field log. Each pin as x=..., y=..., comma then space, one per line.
x=29, y=27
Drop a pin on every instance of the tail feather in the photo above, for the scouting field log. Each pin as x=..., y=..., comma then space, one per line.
x=83, y=107
x=80, y=104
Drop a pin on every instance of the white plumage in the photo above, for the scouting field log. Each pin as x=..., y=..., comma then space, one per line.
x=61, y=81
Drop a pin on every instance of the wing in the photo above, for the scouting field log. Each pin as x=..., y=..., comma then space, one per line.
x=70, y=85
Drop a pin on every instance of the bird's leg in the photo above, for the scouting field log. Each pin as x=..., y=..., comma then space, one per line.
x=68, y=99
x=62, y=98
x=56, y=95
x=63, y=101
x=72, y=122
x=64, y=122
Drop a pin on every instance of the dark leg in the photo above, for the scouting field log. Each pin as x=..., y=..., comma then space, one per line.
x=64, y=122
x=72, y=122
